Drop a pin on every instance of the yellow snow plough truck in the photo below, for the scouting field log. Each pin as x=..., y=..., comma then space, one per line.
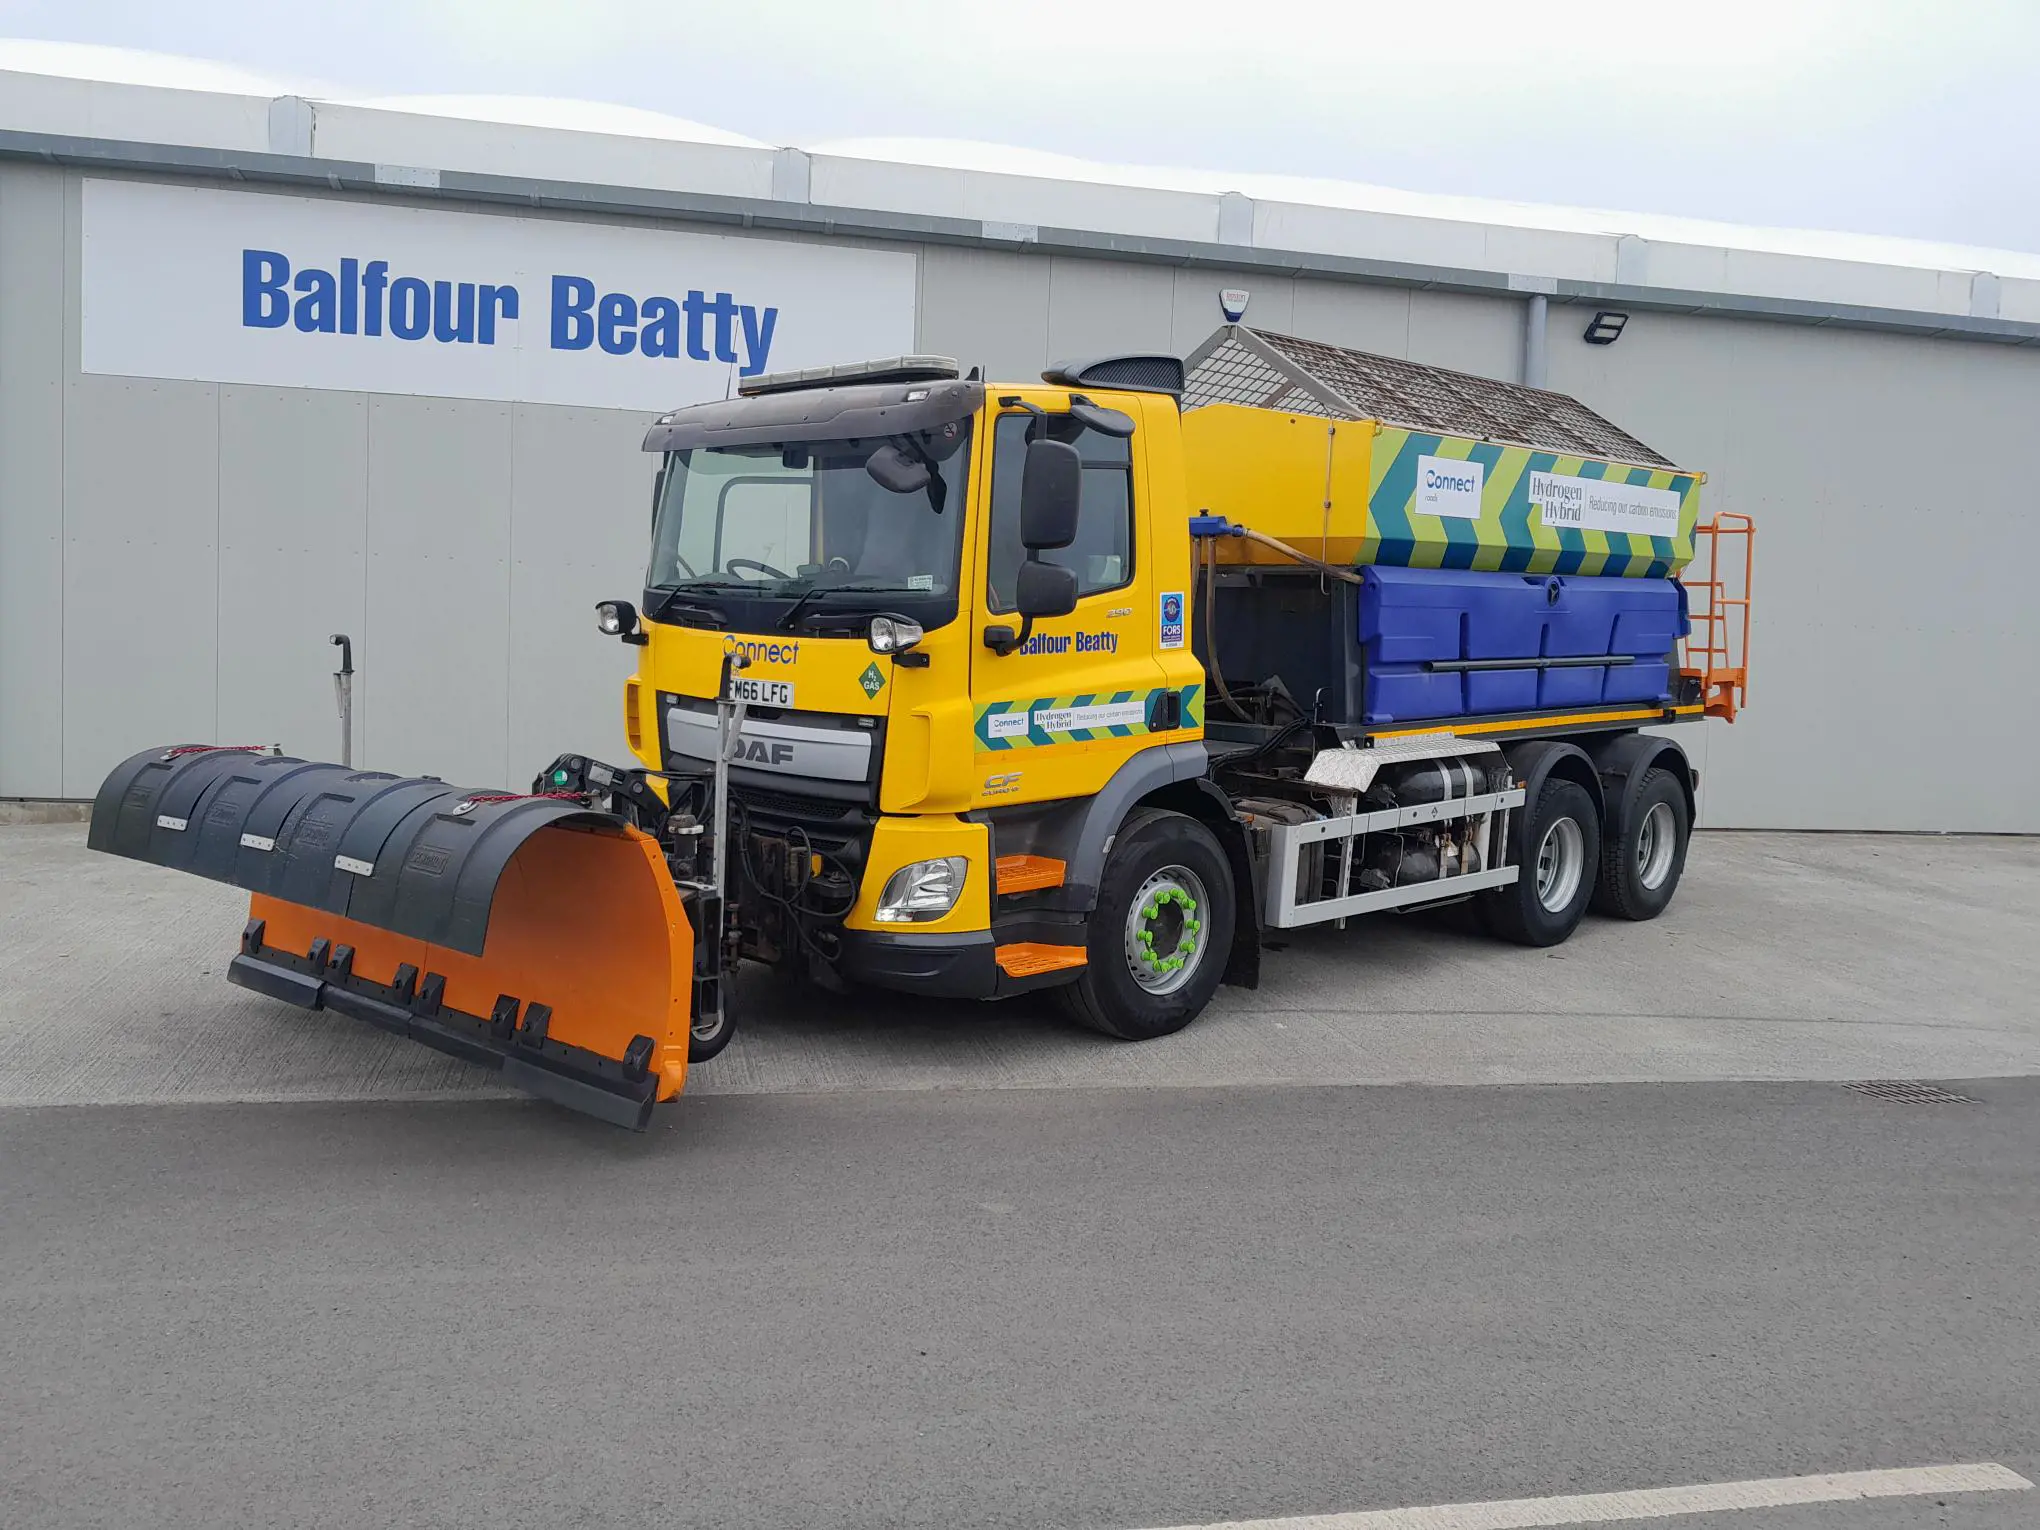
x=969, y=689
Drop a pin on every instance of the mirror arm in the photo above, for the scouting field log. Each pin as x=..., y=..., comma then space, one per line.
x=1002, y=640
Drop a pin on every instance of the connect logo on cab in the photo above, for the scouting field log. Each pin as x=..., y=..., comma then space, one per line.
x=362, y=297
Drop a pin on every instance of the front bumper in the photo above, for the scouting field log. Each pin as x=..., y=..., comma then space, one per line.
x=963, y=964
x=956, y=966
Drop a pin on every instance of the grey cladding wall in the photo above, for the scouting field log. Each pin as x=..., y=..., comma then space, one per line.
x=1896, y=551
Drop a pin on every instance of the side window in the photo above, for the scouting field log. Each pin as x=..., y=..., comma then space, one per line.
x=1102, y=554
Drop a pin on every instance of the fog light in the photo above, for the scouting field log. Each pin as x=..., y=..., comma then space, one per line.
x=922, y=891
x=893, y=634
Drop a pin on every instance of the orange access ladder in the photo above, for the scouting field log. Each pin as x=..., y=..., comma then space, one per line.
x=1717, y=650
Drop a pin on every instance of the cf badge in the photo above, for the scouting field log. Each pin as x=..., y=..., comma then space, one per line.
x=1002, y=785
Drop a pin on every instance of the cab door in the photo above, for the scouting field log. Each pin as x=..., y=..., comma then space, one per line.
x=1057, y=715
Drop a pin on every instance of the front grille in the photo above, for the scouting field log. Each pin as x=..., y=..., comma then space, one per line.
x=797, y=807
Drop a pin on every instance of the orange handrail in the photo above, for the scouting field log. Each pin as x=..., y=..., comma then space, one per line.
x=1717, y=651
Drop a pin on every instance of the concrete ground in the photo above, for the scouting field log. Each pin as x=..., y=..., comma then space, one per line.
x=896, y=1264
x=1784, y=957
x=1095, y=1309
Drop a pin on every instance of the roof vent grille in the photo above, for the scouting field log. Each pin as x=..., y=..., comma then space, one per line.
x=1134, y=374
x=1264, y=370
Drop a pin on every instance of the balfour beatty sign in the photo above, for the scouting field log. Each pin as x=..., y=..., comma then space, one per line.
x=188, y=282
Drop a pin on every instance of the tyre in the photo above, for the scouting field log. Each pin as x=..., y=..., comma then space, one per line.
x=1640, y=868
x=1160, y=935
x=1559, y=851
x=704, y=1043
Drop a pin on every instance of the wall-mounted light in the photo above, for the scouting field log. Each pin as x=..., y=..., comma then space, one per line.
x=1605, y=328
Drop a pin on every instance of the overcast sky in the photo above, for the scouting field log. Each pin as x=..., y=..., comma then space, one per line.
x=1909, y=117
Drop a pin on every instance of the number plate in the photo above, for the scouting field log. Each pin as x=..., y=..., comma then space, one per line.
x=763, y=693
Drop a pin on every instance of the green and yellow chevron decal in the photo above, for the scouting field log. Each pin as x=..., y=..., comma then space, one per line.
x=1079, y=719
x=1510, y=535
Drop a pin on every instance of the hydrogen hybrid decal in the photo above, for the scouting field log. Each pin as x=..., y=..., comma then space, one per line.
x=1597, y=504
x=383, y=297
x=1079, y=719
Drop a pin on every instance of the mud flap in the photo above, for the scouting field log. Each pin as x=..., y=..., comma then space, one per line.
x=532, y=935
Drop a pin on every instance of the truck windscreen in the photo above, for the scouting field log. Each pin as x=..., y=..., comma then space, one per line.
x=746, y=530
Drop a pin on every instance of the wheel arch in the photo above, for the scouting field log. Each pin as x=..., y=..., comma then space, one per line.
x=1623, y=760
x=1534, y=761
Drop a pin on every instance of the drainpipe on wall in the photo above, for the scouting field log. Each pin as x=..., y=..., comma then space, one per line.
x=1535, y=313
x=1536, y=292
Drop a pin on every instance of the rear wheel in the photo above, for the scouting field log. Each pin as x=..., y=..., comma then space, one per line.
x=1159, y=937
x=1641, y=866
x=1559, y=852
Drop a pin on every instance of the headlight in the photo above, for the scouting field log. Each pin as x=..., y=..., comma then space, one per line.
x=618, y=618
x=923, y=891
x=893, y=634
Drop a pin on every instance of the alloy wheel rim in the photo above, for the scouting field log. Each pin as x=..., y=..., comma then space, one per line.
x=1165, y=930
x=1655, y=841
x=1561, y=858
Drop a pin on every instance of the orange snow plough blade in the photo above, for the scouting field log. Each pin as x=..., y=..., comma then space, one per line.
x=527, y=934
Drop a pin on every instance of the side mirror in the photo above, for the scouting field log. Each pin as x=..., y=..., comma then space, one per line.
x=1039, y=589
x=1045, y=589
x=1051, y=481
x=890, y=468
x=1107, y=422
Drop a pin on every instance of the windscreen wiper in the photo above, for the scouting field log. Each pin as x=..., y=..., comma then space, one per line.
x=786, y=622
x=801, y=603
x=670, y=606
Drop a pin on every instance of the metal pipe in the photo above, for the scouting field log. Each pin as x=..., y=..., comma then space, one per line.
x=1476, y=666
x=729, y=717
x=1536, y=313
x=343, y=694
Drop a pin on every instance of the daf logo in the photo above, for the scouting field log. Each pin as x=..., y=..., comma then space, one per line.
x=761, y=752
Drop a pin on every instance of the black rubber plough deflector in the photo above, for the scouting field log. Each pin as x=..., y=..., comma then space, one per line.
x=407, y=854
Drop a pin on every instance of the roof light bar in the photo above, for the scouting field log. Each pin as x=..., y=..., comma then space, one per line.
x=886, y=369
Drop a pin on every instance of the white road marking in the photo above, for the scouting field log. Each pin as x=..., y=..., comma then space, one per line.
x=1654, y=1503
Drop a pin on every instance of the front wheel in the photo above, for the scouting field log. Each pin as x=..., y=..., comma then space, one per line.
x=1162, y=930
x=1559, y=852
x=706, y=1037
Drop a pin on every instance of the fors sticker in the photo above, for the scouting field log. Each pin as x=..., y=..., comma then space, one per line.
x=1172, y=619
